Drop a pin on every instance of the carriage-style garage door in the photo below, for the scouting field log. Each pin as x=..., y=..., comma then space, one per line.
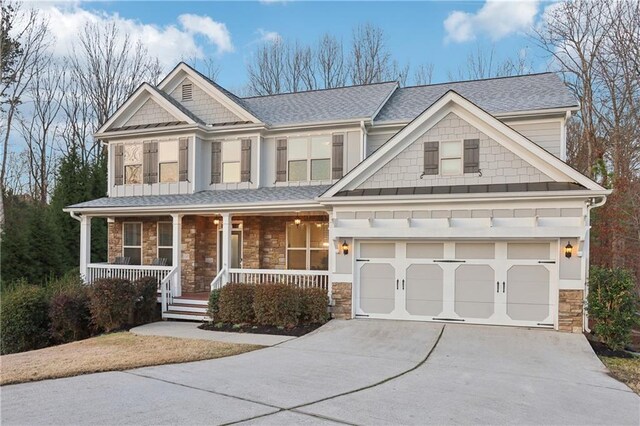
x=510, y=283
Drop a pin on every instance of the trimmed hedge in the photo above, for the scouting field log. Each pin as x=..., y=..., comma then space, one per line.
x=313, y=306
x=24, y=319
x=236, y=303
x=277, y=304
x=111, y=301
x=70, y=315
x=146, y=299
x=612, y=303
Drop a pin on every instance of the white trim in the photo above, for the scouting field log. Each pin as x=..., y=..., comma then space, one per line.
x=158, y=246
x=544, y=161
x=307, y=249
x=171, y=81
x=136, y=97
x=124, y=246
x=219, y=240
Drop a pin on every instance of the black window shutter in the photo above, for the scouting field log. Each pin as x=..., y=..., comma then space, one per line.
x=245, y=161
x=281, y=160
x=337, y=156
x=183, y=160
x=216, y=162
x=471, y=155
x=431, y=158
x=118, y=166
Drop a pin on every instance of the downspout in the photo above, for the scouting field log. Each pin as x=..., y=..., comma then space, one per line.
x=75, y=216
x=363, y=142
x=587, y=241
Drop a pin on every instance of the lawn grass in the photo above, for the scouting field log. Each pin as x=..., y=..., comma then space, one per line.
x=110, y=352
x=627, y=370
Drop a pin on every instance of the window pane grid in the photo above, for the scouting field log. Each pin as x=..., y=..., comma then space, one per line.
x=132, y=242
x=308, y=246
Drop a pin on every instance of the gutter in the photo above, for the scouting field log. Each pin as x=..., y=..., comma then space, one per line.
x=591, y=204
x=73, y=214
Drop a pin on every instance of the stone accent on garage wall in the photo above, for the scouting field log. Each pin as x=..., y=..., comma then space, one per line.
x=570, y=308
x=341, y=297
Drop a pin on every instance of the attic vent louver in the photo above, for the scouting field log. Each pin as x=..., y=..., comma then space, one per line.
x=187, y=92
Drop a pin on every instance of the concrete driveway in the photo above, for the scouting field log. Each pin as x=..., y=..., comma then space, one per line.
x=354, y=372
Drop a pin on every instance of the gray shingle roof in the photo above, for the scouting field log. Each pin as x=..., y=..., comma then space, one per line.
x=266, y=196
x=177, y=105
x=320, y=105
x=498, y=95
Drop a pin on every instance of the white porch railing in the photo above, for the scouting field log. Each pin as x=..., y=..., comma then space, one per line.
x=166, y=286
x=218, y=282
x=129, y=272
x=298, y=278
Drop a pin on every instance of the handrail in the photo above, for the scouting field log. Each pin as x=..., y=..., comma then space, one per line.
x=318, y=272
x=299, y=278
x=216, y=283
x=165, y=289
x=141, y=267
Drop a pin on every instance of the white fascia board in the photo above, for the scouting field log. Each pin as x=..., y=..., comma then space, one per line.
x=172, y=80
x=447, y=198
x=180, y=128
x=447, y=233
x=199, y=209
x=329, y=123
x=136, y=98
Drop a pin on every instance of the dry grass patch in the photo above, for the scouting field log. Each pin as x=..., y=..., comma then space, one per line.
x=110, y=352
x=627, y=370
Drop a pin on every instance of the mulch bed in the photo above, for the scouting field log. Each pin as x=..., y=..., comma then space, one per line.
x=603, y=350
x=296, y=331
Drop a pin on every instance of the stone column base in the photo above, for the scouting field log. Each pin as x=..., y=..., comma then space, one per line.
x=341, y=296
x=570, y=309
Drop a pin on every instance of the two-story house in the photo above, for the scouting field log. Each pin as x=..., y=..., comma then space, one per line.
x=446, y=202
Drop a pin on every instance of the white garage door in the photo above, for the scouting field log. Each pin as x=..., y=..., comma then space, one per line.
x=509, y=283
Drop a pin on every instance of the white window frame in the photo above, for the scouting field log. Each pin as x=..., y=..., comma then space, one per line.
x=309, y=158
x=236, y=226
x=239, y=162
x=158, y=246
x=458, y=157
x=307, y=249
x=124, y=246
x=176, y=162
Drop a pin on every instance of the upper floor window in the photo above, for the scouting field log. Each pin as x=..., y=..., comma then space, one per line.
x=187, y=92
x=133, y=163
x=168, y=161
x=231, y=161
x=452, y=158
x=309, y=158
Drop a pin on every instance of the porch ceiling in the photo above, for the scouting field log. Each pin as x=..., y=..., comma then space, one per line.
x=239, y=199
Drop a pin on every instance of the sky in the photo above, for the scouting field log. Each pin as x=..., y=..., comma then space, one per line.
x=441, y=33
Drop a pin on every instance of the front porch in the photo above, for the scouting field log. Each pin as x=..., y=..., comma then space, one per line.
x=191, y=255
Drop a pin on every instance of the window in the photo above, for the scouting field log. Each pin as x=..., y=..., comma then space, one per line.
x=187, y=92
x=132, y=242
x=309, y=158
x=133, y=163
x=165, y=241
x=168, y=161
x=451, y=158
x=231, y=161
x=308, y=246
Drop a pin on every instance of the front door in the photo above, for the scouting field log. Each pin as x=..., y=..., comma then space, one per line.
x=236, y=249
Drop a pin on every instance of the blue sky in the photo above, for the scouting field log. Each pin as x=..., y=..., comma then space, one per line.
x=442, y=33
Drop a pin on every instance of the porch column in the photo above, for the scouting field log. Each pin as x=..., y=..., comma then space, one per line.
x=226, y=246
x=85, y=247
x=176, y=287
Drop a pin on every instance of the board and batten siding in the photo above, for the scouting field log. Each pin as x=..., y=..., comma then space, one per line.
x=547, y=135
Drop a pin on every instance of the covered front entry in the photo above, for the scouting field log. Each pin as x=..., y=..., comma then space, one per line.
x=483, y=282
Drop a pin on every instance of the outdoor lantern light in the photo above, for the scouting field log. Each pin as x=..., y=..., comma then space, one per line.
x=297, y=221
x=345, y=247
x=216, y=221
x=568, y=250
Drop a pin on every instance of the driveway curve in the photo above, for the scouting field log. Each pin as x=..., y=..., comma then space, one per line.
x=351, y=372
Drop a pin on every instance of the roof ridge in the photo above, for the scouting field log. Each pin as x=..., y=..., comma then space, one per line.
x=321, y=90
x=480, y=79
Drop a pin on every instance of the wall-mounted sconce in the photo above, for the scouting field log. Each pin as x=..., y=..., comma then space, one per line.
x=216, y=221
x=345, y=248
x=568, y=250
x=297, y=221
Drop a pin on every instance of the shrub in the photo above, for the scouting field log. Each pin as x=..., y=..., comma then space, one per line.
x=612, y=304
x=146, y=299
x=70, y=315
x=277, y=304
x=24, y=319
x=236, y=303
x=314, y=303
x=111, y=301
x=214, y=304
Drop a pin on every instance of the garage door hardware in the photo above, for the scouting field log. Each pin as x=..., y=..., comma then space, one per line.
x=545, y=324
x=498, y=286
x=547, y=261
x=362, y=260
x=398, y=284
x=449, y=319
x=450, y=261
x=362, y=315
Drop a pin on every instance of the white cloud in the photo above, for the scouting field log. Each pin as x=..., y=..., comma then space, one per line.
x=267, y=36
x=496, y=19
x=192, y=36
x=269, y=2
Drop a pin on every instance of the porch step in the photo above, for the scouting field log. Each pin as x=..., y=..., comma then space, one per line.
x=196, y=302
x=190, y=316
x=187, y=307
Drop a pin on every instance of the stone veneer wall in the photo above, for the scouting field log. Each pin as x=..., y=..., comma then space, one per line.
x=341, y=296
x=149, y=237
x=570, y=308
